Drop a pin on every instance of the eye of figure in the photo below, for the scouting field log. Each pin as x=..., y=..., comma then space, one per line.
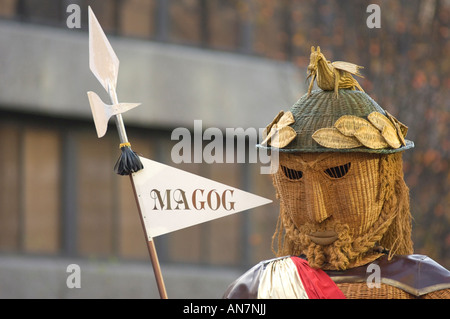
x=292, y=174
x=338, y=171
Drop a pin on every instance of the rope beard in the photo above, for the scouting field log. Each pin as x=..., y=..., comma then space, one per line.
x=343, y=253
x=318, y=256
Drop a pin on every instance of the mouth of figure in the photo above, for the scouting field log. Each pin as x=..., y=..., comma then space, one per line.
x=323, y=238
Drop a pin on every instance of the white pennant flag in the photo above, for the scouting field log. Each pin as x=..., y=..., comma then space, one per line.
x=171, y=199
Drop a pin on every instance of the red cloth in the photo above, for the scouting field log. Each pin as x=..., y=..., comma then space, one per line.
x=317, y=283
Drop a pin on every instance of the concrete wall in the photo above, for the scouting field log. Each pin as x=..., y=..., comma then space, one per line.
x=39, y=277
x=46, y=70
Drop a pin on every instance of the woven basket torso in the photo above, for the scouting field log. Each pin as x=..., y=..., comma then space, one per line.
x=362, y=291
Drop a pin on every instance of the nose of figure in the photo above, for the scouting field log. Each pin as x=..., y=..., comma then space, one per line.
x=317, y=204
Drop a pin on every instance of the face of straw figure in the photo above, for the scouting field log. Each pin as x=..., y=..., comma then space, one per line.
x=327, y=201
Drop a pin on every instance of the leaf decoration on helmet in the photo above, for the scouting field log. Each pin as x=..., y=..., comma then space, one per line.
x=278, y=133
x=331, y=137
x=349, y=131
x=370, y=137
x=387, y=128
x=401, y=128
x=349, y=124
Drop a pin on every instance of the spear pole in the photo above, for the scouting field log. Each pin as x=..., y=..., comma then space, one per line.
x=151, y=250
x=104, y=64
x=118, y=117
x=150, y=243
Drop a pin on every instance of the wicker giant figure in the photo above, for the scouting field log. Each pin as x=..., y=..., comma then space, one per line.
x=344, y=228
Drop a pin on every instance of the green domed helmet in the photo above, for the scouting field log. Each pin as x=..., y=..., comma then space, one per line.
x=320, y=122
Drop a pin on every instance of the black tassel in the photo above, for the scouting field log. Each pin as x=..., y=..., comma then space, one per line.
x=128, y=162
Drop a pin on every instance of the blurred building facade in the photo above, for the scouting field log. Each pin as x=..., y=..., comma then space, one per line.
x=59, y=195
x=231, y=64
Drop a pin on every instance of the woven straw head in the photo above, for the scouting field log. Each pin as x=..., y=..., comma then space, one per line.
x=321, y=110
x=340, y=180
x=361, y=198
